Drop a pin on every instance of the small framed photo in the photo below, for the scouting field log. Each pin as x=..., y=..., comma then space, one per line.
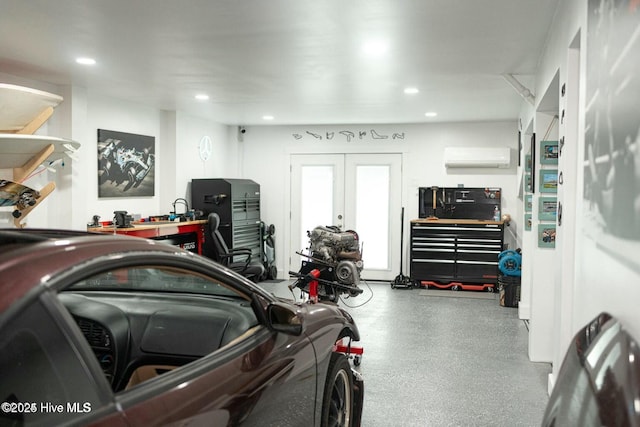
x=528, y=186
x=519, y=146
x=528, y=202
x=533, y=163
x=548, y=152
x=527, y=222
x=548, y=181
x=527, y=162
x=546, y=235
x=547, y=208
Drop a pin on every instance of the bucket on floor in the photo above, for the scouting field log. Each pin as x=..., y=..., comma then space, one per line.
x=509, y=288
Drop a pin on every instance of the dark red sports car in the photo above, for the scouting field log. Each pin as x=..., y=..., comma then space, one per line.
x=123, y=331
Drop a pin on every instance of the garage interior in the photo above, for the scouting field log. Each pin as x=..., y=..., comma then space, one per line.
x=411, y=107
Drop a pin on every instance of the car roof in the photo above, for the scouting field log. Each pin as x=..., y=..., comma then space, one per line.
x=28, y=256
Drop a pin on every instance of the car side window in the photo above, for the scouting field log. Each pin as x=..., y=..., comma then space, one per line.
x=155, y=279
x=42, y=381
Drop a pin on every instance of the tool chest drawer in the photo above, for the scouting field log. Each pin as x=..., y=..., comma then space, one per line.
x=455, y=250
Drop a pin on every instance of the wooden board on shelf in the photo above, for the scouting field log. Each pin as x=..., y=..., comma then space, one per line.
x=16, y=150
x=23, y=109
x=16, y=194
x=43, y=193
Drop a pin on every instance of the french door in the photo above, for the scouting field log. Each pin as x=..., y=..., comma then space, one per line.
x=360, y=192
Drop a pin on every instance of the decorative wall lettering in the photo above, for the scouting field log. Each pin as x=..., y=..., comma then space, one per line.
x=349, y=136
x=315, y=135
x=375, y=135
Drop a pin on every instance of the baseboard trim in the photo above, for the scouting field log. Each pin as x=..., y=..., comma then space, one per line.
x=524, y=311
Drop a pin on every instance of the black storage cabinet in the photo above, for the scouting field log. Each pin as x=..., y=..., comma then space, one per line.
x=451, y=250
x=237, y=202
x=509, y=288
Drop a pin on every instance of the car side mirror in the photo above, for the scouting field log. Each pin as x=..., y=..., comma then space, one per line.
x=283, y=318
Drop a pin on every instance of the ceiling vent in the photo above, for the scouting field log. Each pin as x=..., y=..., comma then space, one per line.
x=477, y=157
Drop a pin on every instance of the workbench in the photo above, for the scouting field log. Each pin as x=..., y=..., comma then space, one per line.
x=188, y=235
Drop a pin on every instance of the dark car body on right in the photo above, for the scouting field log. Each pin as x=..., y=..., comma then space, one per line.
x=599, y=381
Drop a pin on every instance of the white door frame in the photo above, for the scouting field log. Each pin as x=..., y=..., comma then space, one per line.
x=350, y=161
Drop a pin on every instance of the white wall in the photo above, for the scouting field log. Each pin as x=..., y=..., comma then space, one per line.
x=602, y=281
x=542, y=259
x=116, y=115
x=178, y=158
x=223, y=161
x=267, y=151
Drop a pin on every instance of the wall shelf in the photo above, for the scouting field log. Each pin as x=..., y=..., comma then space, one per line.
x=22, y=112
x=16, y=150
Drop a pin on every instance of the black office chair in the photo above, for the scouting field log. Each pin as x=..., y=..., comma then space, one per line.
x=220, y=252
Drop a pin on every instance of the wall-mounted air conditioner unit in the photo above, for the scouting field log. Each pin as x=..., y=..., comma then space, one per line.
x=477, y=157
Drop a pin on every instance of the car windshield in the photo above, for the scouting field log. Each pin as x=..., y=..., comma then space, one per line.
x=154, y=279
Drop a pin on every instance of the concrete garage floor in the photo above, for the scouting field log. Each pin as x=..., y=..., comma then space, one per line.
x=443, y=361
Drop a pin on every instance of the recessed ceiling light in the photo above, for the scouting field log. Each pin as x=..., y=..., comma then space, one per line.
x=411, y=90
x=431, y=114
x=267, y=117
x=86, y=61
x=375, y=48
x=202, y=97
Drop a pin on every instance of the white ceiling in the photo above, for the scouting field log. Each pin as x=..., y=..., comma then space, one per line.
x=300, y=61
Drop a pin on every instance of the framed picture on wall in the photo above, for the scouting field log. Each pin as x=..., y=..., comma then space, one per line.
x=547, y=208
x=527, y=222
x=533, y=163
x=548, y=181
x=527, y=163
x=528, y=185
x=519, y=146
x=546, y=235
x=528, y=203
x=548, y=152
x=126, y=164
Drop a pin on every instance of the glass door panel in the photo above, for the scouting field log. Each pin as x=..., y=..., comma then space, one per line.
x=317, y=194
x=372, y=193
x=372, y=198
x=358, y=192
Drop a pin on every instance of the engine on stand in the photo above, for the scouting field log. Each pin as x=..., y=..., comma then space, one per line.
x=334, y=262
